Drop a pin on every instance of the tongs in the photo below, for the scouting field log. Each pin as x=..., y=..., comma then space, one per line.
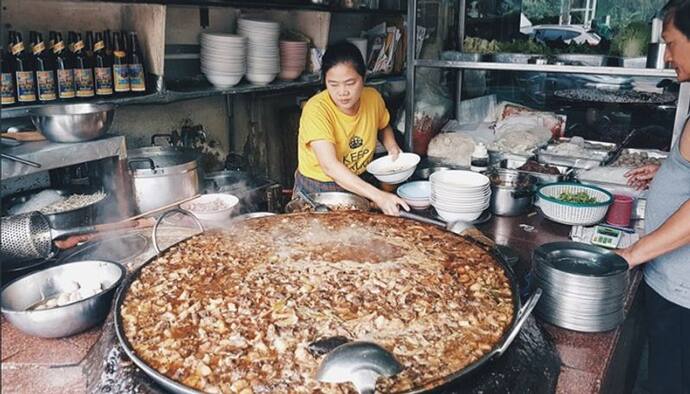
x=617, y=152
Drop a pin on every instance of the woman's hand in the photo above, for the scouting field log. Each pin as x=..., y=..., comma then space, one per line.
x=640, y=177
x=388, y=203
x=394, y=152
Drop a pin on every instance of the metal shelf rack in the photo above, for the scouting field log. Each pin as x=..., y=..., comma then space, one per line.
x=682, y=107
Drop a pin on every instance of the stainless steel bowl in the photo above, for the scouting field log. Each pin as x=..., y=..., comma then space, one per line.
x=334, y=200
x=66, y=320
x=74, y=122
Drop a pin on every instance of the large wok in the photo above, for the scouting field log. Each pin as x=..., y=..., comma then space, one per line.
x=520, y=314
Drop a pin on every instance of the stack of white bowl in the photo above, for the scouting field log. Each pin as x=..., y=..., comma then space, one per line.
x=263, y=54
x=459, y=195
x=223, y=58
x=293, y=59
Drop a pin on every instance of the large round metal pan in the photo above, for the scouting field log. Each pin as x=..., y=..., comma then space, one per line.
x=520, y=314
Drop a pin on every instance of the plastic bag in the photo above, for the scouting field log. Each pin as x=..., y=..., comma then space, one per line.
x=432, y=110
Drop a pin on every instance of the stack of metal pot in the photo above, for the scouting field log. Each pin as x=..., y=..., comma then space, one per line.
x=584, y=286
x=512, y=192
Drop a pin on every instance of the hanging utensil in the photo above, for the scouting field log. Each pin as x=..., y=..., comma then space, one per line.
x=29, y=236
x=20, y=160
x=318, y=207
x=359, y=362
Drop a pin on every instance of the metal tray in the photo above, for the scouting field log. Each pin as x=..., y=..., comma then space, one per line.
x=568, y=161
x=599, y=146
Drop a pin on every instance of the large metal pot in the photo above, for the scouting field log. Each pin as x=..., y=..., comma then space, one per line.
x=162, y=175
x=511, y=192
x=521, y=312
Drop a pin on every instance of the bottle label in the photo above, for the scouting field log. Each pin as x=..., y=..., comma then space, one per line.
x=119, y=54
x=79, y=45
x=45, y=81
x=121, y=77
x=17, y=48
x=7, y=88
x=65, y=83
x=83, y=78
x=58, y=47
x=136, y=78
x=38, y=48
x=26, y=86
x=98, y=46
x=104, y=80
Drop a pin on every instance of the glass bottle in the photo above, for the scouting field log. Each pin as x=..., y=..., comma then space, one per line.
x=120, y=69
x=45, y=70
x=64, y=68
x=83, y=70
x=135, y=63
x=7, y=90
x=103, y=67
x=24, y=66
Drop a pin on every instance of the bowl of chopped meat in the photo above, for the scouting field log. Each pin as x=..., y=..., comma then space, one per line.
x=212, y=207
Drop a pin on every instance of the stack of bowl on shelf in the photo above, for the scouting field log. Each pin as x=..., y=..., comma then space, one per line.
x=459, y=195
x=263, y=55
x=223, y=58
x=293, y=59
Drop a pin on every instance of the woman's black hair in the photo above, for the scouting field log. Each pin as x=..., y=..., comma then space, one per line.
x=342, y=52
x=678, y=13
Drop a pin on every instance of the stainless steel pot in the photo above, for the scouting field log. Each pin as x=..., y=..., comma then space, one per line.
x=511, y=192
x=162, y=175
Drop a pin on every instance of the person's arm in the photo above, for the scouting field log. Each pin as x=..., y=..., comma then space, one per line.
x=335, y=169
x=673, y=234
x=387, y=137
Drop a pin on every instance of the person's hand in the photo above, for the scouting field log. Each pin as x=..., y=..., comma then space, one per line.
x=640, y=177
x=627, y=255
x=388, y=203
x=394, y=152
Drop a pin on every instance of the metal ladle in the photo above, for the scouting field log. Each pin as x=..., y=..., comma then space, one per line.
x=318, y=207
x=359, y=362
x=459, y=227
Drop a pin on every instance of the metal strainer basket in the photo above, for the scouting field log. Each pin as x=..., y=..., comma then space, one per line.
x=28, y=236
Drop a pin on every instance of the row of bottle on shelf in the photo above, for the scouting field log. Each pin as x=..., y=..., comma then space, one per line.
x=100, y=64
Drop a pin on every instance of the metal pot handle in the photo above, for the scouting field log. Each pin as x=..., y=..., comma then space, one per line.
x=160, y=219
x=141, y=160
x=523, y=314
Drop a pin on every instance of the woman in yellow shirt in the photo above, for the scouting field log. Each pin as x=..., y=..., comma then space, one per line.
x=338, y=131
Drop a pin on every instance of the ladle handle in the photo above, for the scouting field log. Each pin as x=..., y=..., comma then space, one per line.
x=420, y=218
x=523, y=314
x=160, y=219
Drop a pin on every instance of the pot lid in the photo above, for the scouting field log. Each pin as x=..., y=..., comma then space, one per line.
x=580, y=259
x=158, y=160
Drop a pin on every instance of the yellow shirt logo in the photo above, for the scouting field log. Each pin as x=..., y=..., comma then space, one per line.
x=354, y=136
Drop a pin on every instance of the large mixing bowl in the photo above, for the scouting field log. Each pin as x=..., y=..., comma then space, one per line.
x=74, y=122
x=19, y=296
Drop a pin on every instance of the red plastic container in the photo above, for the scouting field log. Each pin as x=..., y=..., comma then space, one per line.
x=620, y=211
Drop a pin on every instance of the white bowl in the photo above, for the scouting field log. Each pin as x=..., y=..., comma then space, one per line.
x=223, y=81
x=460, y=208
x=460, y=179
x=212, y=207
x=455, y=216
x=394, y=172
x=260, y=79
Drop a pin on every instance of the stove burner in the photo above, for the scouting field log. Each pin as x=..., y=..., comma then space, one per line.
x=118, y=249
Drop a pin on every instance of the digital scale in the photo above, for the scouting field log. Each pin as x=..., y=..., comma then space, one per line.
x=606, y=237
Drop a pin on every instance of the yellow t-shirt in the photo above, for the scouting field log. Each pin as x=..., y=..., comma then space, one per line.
x=354, y=136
